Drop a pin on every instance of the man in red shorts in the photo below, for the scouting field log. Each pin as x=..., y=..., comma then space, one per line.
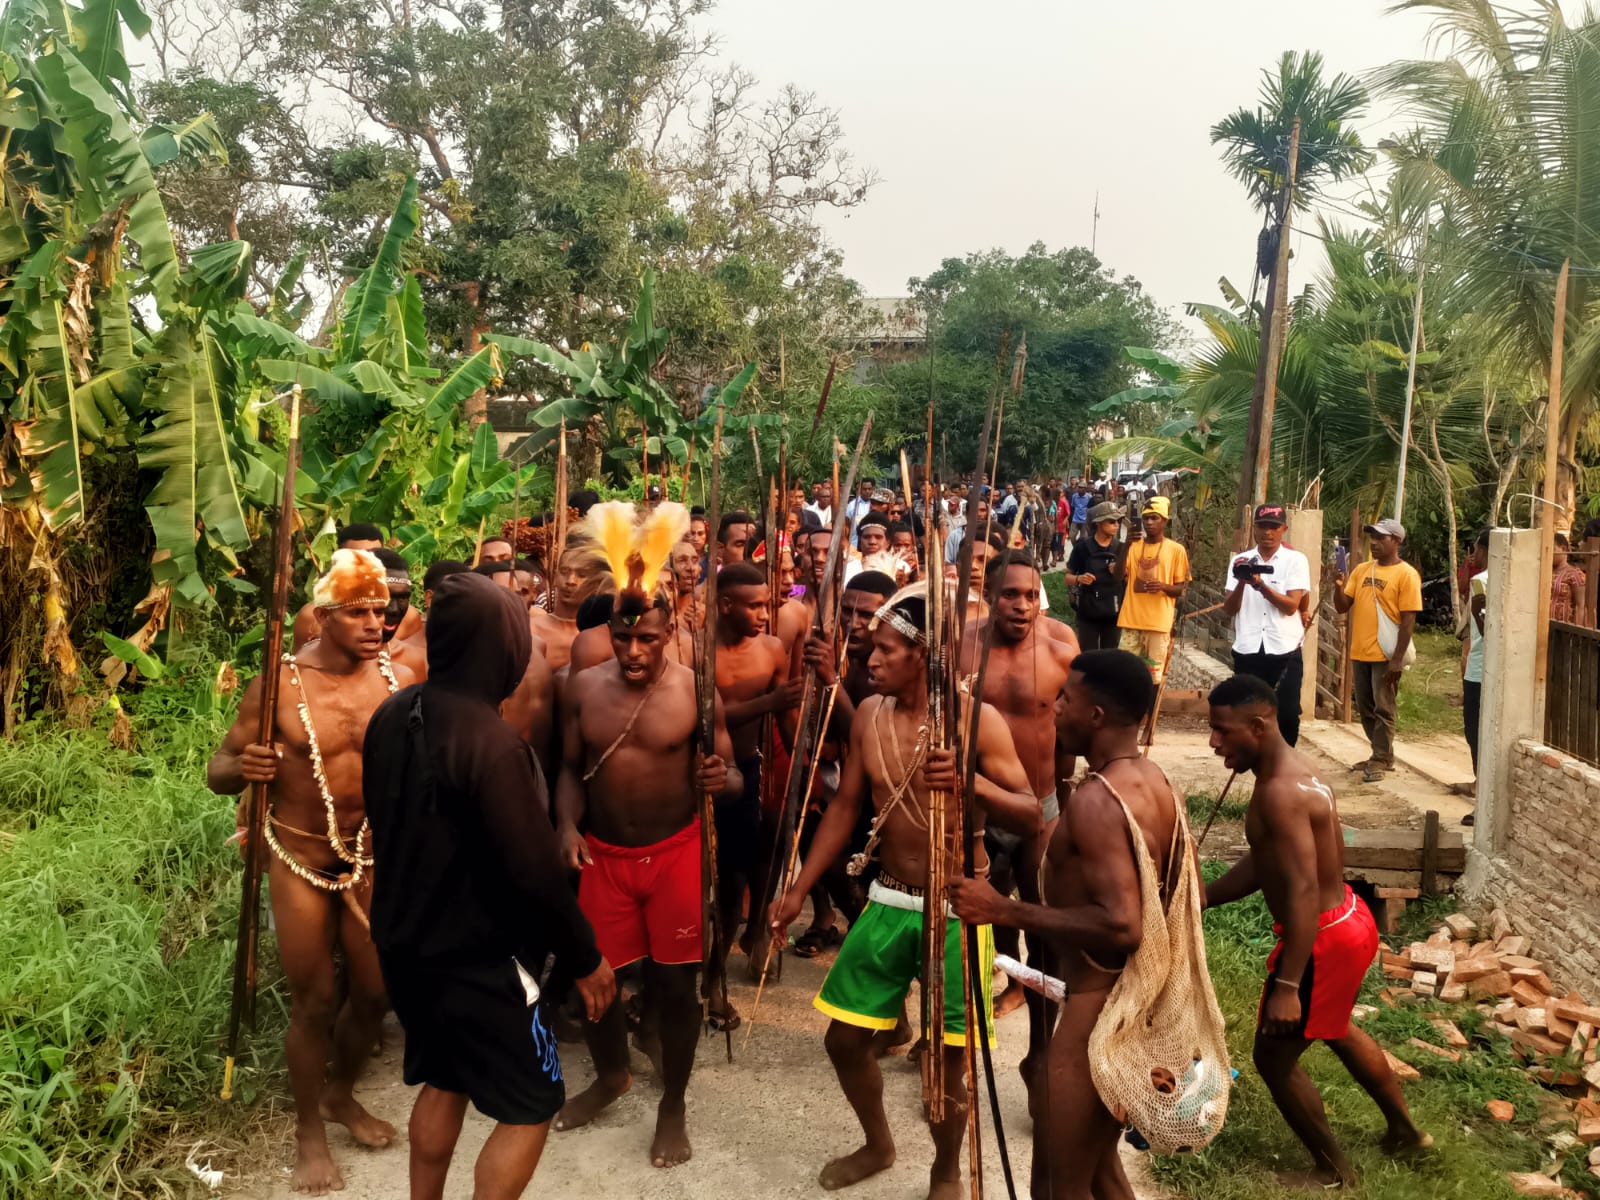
x=631, y=773
x=1327, y=938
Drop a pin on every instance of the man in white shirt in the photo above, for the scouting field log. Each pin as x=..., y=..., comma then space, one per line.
x=1265, y=606
x=822, y=505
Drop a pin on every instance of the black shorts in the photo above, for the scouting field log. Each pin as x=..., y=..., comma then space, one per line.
x=470, y=1029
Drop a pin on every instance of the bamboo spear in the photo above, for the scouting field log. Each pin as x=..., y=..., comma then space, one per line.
x=715, y=967
x=807, y=727
x=244, y=955
x=933, y=942
x=973, y=980
x=561, y=502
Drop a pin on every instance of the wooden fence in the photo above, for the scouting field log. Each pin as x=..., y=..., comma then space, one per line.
x=1572, y=691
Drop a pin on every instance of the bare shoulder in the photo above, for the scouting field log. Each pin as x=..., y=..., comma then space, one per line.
x=1093, y=816
x=1061, y=641
x=403, y=674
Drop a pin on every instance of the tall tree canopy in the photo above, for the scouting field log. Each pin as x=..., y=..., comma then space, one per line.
x=1077, y=317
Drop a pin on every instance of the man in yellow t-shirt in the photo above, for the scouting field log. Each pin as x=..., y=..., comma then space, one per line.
x=1383, y=597
x=1157, y=570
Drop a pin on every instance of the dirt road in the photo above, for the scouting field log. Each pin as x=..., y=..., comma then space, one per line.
x=762, y=1127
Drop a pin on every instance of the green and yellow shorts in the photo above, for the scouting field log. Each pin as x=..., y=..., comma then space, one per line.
x=881, y=958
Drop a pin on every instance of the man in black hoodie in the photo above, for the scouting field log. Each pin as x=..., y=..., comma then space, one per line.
x=475, y=899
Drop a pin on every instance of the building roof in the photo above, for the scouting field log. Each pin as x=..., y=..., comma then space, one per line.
x=893, y=319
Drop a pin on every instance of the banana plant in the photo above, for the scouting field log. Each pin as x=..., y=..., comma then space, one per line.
x=617, y=403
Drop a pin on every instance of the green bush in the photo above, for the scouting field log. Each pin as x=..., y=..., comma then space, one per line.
x=118, y=900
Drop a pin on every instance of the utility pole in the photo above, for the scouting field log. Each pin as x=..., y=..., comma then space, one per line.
x=1411, y=383
x=1258, y=447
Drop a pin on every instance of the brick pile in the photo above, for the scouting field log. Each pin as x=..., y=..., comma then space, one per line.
x=1552, y=1030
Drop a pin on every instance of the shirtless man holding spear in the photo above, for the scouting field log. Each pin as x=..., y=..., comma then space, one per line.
x=1027, y=669
x=891, y=761
x=316, y=829
x=632, y=772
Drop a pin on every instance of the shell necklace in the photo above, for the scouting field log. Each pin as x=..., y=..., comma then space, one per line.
x=357, y=857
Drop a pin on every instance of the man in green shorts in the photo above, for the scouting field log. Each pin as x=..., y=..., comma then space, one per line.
x=889, y=759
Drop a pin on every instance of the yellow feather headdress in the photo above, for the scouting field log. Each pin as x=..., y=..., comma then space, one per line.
x=635, y=552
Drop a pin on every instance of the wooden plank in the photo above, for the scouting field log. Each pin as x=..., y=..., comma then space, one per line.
x=1430, y=853
x=1401, y=850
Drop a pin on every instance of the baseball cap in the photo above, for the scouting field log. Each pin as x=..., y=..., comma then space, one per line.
x=1161, y=506
x=883, y=496
x=1270, y=514
x=1389, y=527
x=1104, y=511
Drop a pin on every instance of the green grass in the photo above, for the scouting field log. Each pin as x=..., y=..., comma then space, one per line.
x=1060, y=603
x=1200, y=805
x=1430, y=695
x=1473, y=1152
x=118, y=902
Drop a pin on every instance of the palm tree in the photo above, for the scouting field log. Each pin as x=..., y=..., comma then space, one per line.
x=1256, y=149
x=1256, y=142
x=1509, y=143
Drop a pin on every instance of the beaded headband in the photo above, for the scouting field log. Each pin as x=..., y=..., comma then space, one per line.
x=891, y=618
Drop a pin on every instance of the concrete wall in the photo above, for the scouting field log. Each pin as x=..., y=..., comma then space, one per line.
x=1305, y=535
x=1546, y=875
x=1194, y=668
x=1536, y=837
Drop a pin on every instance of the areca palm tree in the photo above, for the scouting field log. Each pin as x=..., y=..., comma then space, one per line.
x=1256, y=141
x=1509, y=143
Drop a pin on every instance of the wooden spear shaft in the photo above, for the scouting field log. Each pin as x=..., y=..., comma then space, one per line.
x=715, y=970
x=808, y=734
x=245, y=950
x=1552, y=471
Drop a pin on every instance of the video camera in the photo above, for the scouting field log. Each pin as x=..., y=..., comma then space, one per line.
x=1244, y=572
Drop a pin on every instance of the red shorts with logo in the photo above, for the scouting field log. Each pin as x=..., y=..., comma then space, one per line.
x=644, y=901
x=1347, y=940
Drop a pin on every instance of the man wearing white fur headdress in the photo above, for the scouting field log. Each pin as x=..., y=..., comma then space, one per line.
x=320, y=860
x=631, y=778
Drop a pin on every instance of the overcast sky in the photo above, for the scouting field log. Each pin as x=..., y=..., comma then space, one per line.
x=994, y=124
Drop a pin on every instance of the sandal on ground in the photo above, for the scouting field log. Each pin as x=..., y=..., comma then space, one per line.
x=814, y=941
x=1363, y=765
x=728, y=1020
x=1375, y=773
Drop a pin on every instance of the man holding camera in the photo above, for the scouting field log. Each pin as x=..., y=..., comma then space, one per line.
x=1264, y=589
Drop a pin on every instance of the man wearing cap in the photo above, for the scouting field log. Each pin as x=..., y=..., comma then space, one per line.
x=1094, y=567
x=1383, y=597
x=1265, y=586
x=1157, y=570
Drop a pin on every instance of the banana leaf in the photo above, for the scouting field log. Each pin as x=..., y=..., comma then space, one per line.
x=189, y=448
x=364, y=306
x=94, y=132
x=477, y=373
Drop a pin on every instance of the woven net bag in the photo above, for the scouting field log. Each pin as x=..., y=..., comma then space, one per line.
x=1157, y=1054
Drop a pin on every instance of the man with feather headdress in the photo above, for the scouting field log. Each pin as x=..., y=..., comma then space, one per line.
x=632, y=776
